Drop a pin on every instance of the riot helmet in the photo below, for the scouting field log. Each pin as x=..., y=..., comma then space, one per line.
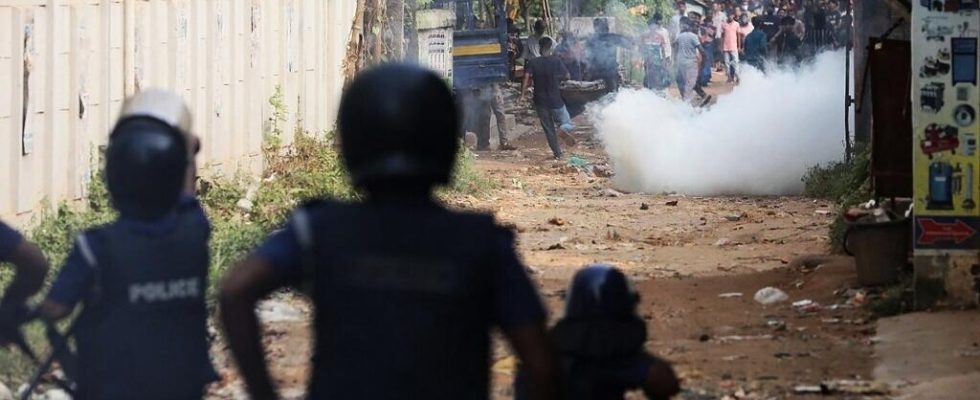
x=147, y=157
x=399, y=128
x=601, y=291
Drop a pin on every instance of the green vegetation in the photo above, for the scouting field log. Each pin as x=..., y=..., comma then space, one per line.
x=894, y=300
x=846, y=183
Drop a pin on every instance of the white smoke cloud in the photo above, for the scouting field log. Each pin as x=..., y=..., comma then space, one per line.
x=758, y=140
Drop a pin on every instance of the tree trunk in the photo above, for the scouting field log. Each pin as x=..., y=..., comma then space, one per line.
x=395, y=29
x=355, y=44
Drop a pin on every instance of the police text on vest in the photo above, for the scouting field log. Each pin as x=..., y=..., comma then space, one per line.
x=152, y=292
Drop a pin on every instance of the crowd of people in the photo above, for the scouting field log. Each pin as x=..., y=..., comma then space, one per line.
x=733, y=32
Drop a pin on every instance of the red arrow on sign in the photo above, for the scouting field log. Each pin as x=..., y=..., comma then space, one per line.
x=933, y=231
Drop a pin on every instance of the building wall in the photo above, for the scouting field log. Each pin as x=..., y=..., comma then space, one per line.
x=946, y=162
x=67, y=65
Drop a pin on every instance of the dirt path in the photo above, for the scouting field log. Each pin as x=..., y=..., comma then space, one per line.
x=683, y=253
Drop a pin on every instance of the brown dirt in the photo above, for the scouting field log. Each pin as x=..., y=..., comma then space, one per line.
x=682, y=257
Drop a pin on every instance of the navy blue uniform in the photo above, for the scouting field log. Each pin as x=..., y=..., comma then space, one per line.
x=406, y=293
x=143, y=330
x=601, y=359
x=9, y=241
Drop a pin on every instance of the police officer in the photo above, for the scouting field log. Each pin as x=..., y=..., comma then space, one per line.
x=600, y=342
x=30, y=267
x=142, y=332
x=405, y=291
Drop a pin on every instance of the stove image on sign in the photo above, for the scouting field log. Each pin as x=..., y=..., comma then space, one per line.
x=964, y=60
x=940, y=138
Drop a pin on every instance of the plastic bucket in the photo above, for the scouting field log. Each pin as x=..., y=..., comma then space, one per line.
x=880, y=249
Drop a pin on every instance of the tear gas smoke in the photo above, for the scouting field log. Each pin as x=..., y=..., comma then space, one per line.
x=758, y=140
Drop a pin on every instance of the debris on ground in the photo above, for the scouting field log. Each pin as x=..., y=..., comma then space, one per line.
x=601, y=171
x=671, y=203
x=557, y=221
x=644, y=206
x=806, y=305
x=730, y=295
x=845, y=387
x=770, y=295
x=742, y=338
x=734, y=217
x=823, y=212
x=577, y=162
x=556, y=246
x=724, y=242
x=808, y=389
x=734, y=358
x=611, y=193
x=776, y=325
x=969, y=353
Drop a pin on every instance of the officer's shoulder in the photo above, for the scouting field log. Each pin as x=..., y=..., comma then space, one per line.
x=96, y=234
x=321, y=206
x=489, y=220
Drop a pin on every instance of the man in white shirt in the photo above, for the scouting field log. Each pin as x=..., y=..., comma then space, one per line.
x=532, y=49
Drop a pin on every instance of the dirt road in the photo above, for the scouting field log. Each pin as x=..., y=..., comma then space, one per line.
x=697, y=263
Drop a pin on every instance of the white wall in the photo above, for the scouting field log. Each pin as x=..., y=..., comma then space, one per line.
x=67, y=65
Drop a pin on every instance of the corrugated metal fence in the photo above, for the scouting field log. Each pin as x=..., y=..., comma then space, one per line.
x=67, y=65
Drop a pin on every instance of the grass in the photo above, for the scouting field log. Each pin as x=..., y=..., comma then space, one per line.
x=846, y=183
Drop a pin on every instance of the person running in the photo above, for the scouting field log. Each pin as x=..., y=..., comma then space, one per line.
x=656, y=54
x=547, y=72
x=756, y=46
x=688, y=56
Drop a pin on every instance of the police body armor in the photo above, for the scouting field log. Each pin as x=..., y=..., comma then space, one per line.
x=143, y=331
x=403, y=296
x=592, y=351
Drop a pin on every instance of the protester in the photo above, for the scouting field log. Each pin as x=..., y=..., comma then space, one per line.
x=142, y=332
x=688, y=58
x=787, y=43
x=730, y=37
x=531, y=48
x=675, y=27
x=718, y=20
x=30, y=268
x=769, y=23
x=405, y=291
x=707, y=44
x=744, y=28
x=656, y=54
x=497, y=106
x=547, y=72
x=515, y=49
x=570, y=52
x=757, y=46
x=601, y=51
x=601, y=342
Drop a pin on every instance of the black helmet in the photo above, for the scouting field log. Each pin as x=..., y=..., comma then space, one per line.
x=147, y=156
x=398, y=124
x=601, y=291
